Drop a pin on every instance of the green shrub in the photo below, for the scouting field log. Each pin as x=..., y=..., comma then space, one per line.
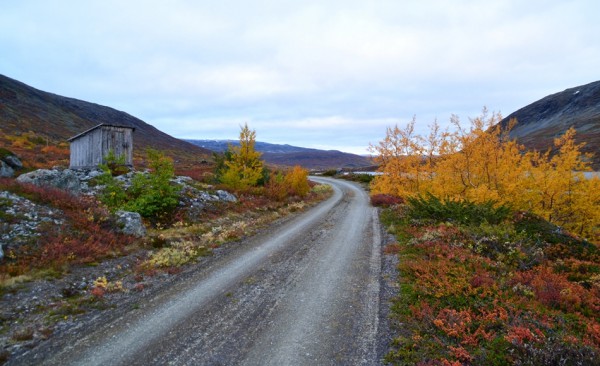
x=114, y=164
x=113, y=195
x=151, y=194
x=361, y=178
x=4, y=152
x=462, y=212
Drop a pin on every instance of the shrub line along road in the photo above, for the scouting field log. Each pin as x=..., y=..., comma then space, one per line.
x=304, y=292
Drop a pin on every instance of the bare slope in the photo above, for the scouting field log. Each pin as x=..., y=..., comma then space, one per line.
x=24, y=108
x=540, y=122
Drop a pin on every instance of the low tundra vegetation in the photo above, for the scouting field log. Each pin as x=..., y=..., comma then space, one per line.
x=35, y=150
x=87, y=235
x=90, y=234
x=185, y=241
x=480, y=284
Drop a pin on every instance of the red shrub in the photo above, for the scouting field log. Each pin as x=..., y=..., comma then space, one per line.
x=518, y=335
x=87, y=234
x=197, y=174
x=98, y=292
x=555, y=290
x=393, y=248
x=454, y=323
x=385, y=200
x=593, y=333
x=482, y=279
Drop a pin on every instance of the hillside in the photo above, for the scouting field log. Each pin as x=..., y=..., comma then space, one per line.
x=540, y=122
x=287, y=155
x=57, y=118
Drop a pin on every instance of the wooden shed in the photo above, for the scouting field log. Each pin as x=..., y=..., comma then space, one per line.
x=89, y=148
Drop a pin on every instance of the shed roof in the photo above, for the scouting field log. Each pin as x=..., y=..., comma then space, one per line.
x=100, y=125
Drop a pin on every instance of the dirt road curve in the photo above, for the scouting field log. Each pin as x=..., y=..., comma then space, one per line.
x=304, y=293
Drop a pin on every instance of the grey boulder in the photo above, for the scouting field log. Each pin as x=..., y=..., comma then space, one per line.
x=6, y=171
x=226, y=196
x=131, y=223
x=13, y=161
x=62, y=179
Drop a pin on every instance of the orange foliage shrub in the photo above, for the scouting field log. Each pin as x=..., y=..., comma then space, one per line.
x=293, y=183
x=297, y=181
x=520, y=335
x=275, y=187
x=555, y=290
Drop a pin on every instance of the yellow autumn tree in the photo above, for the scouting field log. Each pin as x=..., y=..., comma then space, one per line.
x=244, y=169
x=400, y=157
x=481, y=163
x=557, y=189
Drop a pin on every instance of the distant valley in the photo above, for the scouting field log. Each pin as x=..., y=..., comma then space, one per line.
x=287, y=155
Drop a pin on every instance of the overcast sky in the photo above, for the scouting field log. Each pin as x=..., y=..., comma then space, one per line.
x=324, y=74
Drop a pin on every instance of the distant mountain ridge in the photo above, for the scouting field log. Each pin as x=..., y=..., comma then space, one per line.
x=542, y=121
x=263, y=147
x=24, y=108
x=288, y=155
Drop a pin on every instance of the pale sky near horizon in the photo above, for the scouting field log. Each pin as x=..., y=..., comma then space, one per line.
x=322, y=74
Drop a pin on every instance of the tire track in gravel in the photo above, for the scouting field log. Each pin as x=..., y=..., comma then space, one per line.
x=305, y=293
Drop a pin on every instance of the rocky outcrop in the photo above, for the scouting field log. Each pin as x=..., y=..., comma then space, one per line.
x=131, y=223
x=191, y=198
x=13, y=161
x=5, y=170
x=226, y=196
x=22, y=219
x=62, y=179
x=80, y=181
x=9, y=163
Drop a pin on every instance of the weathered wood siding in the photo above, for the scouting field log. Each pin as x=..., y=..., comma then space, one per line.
x=119, y=140
x=89, y=149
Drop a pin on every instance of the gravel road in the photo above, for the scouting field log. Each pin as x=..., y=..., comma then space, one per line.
x=304, y=292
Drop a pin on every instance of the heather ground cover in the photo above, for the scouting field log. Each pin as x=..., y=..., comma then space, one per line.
x=483, y=285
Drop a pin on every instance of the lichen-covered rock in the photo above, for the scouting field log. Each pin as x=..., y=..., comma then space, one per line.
x=86, y=178
x=9, y=162
x=226, y=196
x=62, y=179
x=21, y=219
x=6, y=171
x=131, y=223
x=13, y=161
